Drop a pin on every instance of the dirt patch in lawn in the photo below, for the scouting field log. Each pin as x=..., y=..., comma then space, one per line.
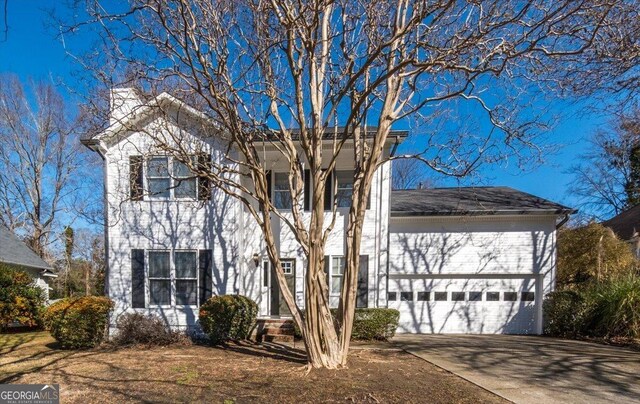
x=239, y=373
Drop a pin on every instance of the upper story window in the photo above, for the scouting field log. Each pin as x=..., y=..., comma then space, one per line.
x=281, y=191
x=168, y=178
x=344, y=188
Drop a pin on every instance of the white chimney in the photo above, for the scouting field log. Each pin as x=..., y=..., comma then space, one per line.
x=123, y=101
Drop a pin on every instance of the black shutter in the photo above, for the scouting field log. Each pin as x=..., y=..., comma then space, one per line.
x=326, y=271
x=307, y=190
x=205, y=275
x=269, y=184
x=137, y=279
x=362, y=298
x=135, y=178
x=369, y=200
x=204, y=185
x=328, y=192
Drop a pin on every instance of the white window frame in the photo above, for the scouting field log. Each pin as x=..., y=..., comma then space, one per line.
x=172, y=278
x=338, y=188
x=333, y=273
x=173, y=180
x=286, y=190
x=176, y=179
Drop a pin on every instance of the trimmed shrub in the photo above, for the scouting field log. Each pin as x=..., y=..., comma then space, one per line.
x=146, y=329
x=21, y=302
x=370, y=324
x=375, y=324
x=228, y=317
x=563, y=314
x=79, y=322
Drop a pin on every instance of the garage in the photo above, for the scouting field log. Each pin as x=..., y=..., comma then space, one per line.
x=465, y=305
x=471, y=260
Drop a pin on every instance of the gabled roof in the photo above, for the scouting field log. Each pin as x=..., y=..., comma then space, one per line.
x=471, y=201
x=141, y=112
x=14, y=251
x=626, y=224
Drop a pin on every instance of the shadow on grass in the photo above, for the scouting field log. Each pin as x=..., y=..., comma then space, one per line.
x=269, y=350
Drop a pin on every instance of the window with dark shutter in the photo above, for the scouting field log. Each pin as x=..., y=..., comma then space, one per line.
x=204, y=185
x=135, y=178
x=137, y=279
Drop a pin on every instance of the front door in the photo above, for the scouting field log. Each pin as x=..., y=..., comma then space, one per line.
x=278, y=305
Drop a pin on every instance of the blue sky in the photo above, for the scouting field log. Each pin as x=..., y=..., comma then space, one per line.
x=32, y=51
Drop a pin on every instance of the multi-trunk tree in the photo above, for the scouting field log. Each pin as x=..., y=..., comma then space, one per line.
x=318, y=79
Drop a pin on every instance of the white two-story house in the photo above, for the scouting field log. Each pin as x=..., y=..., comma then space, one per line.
x=452, y=260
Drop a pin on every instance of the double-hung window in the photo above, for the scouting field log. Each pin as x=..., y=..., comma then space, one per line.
x=159, y=181
x=344, y=188
x=185, y=184
x=173, y=278
x=335, y=275
x=171, y=178
x=281, y=191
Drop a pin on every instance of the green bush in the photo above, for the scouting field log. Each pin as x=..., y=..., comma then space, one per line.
x=370, y=324
x=21, y=302
x=613, y=308
x=228, y=317
x=607, y=309
x=79, y=322
x=564, y=314
x=147, y=329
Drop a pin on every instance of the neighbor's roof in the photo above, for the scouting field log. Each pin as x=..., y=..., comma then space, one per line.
x=14, y=251
x=625, y=224
x=472, y=201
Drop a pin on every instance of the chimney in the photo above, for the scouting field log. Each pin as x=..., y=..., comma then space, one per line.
x=122, y=102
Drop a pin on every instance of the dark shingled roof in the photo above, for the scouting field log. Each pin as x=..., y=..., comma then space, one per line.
x=473, y=201
x=15, y=251
x=626, y=224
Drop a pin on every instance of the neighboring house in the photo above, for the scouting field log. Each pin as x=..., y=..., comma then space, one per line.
x=626, y=226
x=14, y=253
x=463, y=260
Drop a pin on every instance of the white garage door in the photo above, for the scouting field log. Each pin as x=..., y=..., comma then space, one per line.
x=466, y=305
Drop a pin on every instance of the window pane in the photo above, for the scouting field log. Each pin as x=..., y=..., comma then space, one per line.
x=281, y=194
x=336, y=284
x=423, y=296
x=475, y=296
x=338, y=265
x=186, y=266
x=406, y=296
x=158, y=167
x=159, y=188
x=186, y=292
x=457, y=296
x=180, y=169
x=287, y=267
x=160, y=292
x=493, y=296
x=510, y=296
x=527, y=296
x=158, y=264
x=185, y=188
x=344, y=189
x=440, y=296
x=392, y=296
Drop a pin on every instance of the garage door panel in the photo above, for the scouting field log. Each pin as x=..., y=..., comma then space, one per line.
x=464, y=305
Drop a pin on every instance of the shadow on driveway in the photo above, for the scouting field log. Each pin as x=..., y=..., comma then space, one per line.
x=528, y=369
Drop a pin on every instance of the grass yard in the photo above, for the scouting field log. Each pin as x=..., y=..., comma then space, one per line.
x=239, y=373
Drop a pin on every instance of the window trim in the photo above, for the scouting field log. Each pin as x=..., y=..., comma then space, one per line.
x=172, y=278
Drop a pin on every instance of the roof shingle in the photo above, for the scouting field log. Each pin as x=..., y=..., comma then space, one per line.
x=15, y=251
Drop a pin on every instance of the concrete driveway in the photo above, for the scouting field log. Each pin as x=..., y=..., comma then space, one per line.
x=529, y=369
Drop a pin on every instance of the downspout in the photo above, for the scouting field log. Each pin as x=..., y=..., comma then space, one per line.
x=563, y=221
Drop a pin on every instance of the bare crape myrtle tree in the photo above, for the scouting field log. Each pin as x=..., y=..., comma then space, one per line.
x=313, y=80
